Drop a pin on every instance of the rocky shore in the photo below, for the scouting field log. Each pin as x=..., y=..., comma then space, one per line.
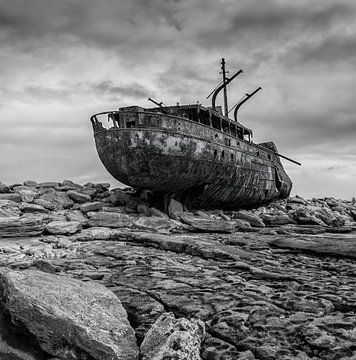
x=90, y=273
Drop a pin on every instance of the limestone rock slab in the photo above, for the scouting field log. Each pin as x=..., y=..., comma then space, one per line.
x=98, y=233
x=208, y=225
x=11, y=196
x=323, y=246
x=91, y=206
x=250, y=217
x=109, y=219
x=30, y=225
x=31, y=183
x=9, y=208
x=78, y=196
x=32, y=208
x=171, y=338
x=154, y=224
x=63, y=227
x=69, y=318
x=57, y=199
x=77, y=215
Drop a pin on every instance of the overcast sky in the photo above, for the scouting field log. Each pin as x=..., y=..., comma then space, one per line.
x=63, y=60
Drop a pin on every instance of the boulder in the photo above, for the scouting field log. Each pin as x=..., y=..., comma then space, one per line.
x=70, y=184
x=89, y=191
x=77, y=215
x=4, y=188
x=207, y=225
x=18, y=188
x=104, y=186
x=296, y=200
x=46, y=204
x=156, y=212
x=30, y=183
x=58, y=199
x=11, y=196
x=111, y=208
x=174, y=209
x=32, y=208
x=9, y=208
x=144, y=210
x=154, y=224
x=275, y=220
x=250, y=217
x=91, y=206
x=110, y=219
x=69, y=319
x=78, y=197
x=27, y=195
x=27, y=225
x=63, y=227
x=131, y=206
x=242, y=224
x=171, y=338
x=49, y=184
x=119, y=197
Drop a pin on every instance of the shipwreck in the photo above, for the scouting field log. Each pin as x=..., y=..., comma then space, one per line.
x=196, y=154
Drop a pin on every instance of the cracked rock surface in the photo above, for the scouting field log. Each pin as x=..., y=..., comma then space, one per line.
x=277, y=282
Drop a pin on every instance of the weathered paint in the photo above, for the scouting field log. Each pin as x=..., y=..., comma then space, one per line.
x=202, y=166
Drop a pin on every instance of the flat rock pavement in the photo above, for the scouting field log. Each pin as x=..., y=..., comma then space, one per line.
x=255, y=299
x=271, y=283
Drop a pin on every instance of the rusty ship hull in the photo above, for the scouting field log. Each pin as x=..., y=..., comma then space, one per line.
x=184, y=155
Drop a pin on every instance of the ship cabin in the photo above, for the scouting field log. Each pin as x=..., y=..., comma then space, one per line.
x=170, y=118
x=212, y=118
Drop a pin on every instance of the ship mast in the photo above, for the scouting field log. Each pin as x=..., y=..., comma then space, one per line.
x=225, y=88
x=223, y=84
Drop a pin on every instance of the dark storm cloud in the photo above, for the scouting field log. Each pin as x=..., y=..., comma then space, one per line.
x=141, y=25
x=131, y=90
x=287, y=15
x=108, y=23
x=265, y=23
x=331, y=50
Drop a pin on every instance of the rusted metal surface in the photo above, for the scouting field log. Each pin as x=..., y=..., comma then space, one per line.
x=185, y=154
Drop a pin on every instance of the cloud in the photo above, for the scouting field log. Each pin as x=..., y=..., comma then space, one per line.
x=132, y=90
x=331, y=50
x=62, y=61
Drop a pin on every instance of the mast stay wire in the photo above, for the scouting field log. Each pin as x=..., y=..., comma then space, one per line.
x=214, y=89
x=237, y=103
